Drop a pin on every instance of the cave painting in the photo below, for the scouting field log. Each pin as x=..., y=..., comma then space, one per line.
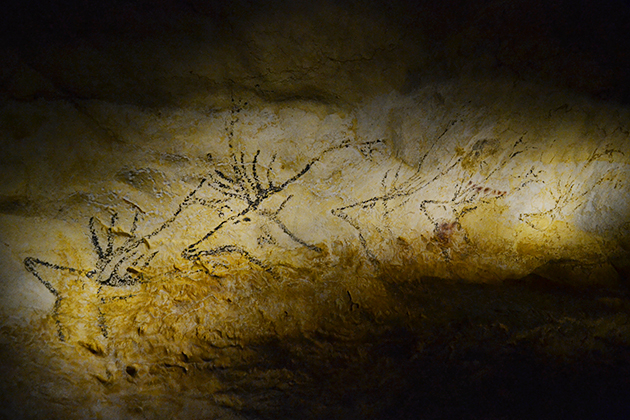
x=444, y=215
x=124, y=257
x=246, y=195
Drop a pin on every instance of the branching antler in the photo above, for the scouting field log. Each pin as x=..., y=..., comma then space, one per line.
x=246, y=185
x=396, y=193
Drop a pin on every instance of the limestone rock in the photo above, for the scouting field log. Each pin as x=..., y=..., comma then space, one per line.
x=331, y=210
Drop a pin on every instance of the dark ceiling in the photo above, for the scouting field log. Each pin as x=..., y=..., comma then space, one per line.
x=581, y=45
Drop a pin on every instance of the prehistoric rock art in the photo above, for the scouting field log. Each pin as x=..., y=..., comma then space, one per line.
x=239, y=194
x=126, y=260
x=417, y=187
x=183, y=270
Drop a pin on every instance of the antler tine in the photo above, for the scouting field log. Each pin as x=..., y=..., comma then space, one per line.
x=134, y=224
x=281, y=206
x=273, y=159
x=110, y=234
x=246, y=180
x=257, y=183
x=224, y=176
x=235, y=163
x=383, y=182
x=94, y=237
x=226, y=189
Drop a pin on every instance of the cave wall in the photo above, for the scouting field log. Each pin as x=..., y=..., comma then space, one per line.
x=270, y=210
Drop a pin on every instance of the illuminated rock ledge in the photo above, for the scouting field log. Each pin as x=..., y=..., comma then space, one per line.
x=307, y=246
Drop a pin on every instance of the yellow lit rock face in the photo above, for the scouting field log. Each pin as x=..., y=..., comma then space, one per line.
x=303, y=233
x=272, y=221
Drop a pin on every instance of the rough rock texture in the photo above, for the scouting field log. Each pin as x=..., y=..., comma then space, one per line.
x=288, y=210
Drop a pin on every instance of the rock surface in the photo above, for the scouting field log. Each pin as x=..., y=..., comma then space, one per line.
x=347, y=210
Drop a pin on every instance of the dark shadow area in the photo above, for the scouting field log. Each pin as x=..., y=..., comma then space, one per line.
x=163, y=53
x=451, y=350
